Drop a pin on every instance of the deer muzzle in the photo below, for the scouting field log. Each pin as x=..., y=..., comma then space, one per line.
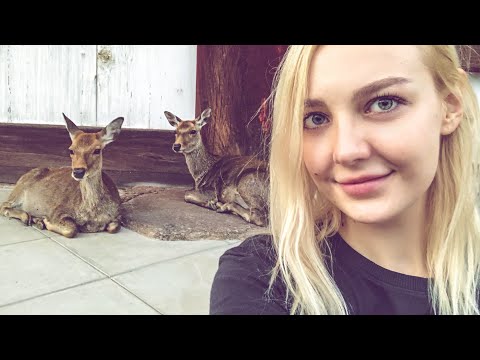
x=79, y=173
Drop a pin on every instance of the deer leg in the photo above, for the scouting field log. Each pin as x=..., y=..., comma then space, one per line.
x=258, y=218
x=113, y=227
x=21, y=215
x=64, y=226
x=7, y=210
x=201, y=199
x=38, y=222
x=250, y=216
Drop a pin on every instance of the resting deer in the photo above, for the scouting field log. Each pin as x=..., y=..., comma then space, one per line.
x=70, y=200
x=236, y=184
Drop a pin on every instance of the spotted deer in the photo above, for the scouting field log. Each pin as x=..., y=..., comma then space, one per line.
x=68, y=200
x=236, y=184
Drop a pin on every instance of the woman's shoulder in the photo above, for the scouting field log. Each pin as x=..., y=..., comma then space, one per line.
x=241, y=284
x=253, y=257
x=258, y=247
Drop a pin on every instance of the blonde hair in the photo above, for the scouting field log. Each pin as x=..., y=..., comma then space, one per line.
x=301, y=220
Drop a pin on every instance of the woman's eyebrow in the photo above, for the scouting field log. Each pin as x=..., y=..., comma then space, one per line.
x=363, y=92
x=378, y=85
x=314, y=103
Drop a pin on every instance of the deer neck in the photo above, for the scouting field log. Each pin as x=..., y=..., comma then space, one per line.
x=199, y=162
x=92, y=191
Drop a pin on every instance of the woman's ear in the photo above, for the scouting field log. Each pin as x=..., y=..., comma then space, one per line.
x=454, y=107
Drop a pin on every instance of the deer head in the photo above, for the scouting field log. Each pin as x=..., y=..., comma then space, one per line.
x=187, y=132
x=86, y=148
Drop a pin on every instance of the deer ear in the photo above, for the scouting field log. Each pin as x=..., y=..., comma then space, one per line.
x=202, y=120
x=111, y=131
x=71, y=127
x=172, y=119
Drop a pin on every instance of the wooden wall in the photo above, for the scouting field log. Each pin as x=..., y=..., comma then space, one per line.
x=94, y=84
x=233, y=80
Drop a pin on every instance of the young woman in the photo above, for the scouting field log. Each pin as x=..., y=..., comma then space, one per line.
x=374, y=184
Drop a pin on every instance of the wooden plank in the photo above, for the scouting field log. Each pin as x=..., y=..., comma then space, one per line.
x=140, y=82
x=137, y=155
x=39, y=82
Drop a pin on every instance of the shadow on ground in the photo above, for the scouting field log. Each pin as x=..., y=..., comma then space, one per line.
x=162, y=213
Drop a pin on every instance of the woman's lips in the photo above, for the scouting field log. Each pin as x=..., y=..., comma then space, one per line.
x=364, y=185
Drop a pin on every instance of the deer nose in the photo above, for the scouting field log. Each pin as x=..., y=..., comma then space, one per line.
x=78, y=173
x=176, y=147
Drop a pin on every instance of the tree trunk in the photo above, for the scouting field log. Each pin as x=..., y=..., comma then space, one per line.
x=234, y=80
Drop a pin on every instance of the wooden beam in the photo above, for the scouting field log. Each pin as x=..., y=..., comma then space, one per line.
x=136, y=156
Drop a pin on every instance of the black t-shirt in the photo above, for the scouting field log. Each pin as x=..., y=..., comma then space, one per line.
x=241, y=283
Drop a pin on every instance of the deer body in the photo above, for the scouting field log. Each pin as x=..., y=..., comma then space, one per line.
x=92, y=205
x=68, y=201
x=236, y=184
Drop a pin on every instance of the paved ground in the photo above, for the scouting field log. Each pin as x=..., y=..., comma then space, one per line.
x=124, y=273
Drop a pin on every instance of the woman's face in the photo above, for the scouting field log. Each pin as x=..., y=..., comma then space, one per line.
x=372, y=126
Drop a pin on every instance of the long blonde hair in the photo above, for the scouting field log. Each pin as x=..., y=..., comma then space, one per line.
x=301, y=220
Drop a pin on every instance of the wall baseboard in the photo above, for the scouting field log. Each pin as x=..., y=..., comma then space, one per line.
x=136, y=156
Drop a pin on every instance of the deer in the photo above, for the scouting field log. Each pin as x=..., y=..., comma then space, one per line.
x=236, y=184
x=68, y=200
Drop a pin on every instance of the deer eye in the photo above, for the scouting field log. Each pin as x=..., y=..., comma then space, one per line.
x=71, y=151
x=193, y=132
x=96, y=151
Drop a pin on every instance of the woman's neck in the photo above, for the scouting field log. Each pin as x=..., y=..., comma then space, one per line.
x=398, y=245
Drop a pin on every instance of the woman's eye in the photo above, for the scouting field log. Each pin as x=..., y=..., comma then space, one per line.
x=313, y=121
x=382, y=105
